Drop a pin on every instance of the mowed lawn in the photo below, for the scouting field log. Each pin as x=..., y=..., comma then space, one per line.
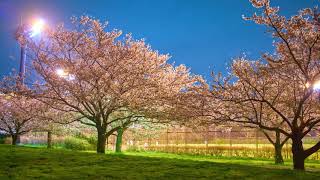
x=40, y=163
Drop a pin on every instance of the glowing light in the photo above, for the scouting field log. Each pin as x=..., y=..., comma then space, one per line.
x=71, y=77
x=316, y=85
x=60, y=72
x=307, y=85
x=37, y=27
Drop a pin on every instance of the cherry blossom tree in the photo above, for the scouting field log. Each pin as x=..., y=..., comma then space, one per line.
x=283, y=88
x=95, y=75
x=239, y=105
x=54, y=121
x=18, y=115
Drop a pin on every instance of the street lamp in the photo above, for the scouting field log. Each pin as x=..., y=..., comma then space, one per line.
x=60, y=72
x=316, y=85
x=27, y=31
x=23, y=32
x=63, y=74
x=37, y=27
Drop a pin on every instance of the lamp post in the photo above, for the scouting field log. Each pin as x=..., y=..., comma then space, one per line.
x=27, y=31
x=23, y=32
x=23, y=57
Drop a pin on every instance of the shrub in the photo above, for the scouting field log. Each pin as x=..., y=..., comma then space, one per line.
x=77, y=144
x=3, y=138
x=93, y=140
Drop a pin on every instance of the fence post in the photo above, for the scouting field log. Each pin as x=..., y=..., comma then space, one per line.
x=167, y=138
x=215, y=135
x=185, y=137
x=176, y=135
x=257, y=141
x=207, y=139
x=230, y=144
x=287, y=150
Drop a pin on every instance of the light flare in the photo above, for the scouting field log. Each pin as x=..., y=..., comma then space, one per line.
x=316, y=85
x=60, y=72
x=63, y=74
x=37, y=27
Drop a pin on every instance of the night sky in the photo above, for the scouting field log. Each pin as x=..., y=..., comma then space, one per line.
x=203, y=34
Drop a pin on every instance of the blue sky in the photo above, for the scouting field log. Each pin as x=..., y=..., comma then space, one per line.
x=203, y=34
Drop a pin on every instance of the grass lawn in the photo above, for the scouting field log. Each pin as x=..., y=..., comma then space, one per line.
x=311, y=165
x=40, y=163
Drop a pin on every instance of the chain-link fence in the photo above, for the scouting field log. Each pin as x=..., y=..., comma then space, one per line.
x=239, y=143
x=231, y=143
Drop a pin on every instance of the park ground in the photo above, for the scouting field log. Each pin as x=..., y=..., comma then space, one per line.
x=40, y=163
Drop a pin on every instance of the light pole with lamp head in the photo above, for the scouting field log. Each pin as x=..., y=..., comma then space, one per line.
x=26, y=31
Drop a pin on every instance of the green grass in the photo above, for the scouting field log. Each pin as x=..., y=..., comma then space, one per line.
x=311, y=165
x=40, y=163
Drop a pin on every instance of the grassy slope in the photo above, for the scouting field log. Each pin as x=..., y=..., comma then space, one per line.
x=27, y=163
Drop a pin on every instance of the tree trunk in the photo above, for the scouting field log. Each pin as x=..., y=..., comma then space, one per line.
x=278, y=159
x=278, y=155
x=14, y=139
x=119, y=140
x=278, y=149
x=49, y=140
x=298, y=152
x=101, y=144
